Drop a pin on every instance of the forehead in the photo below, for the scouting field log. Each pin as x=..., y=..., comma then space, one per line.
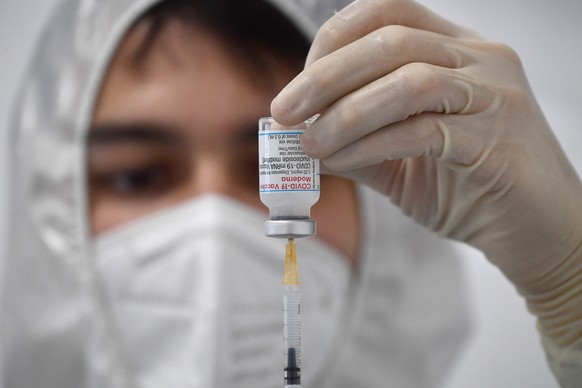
x=186, y=77
x=188, y=46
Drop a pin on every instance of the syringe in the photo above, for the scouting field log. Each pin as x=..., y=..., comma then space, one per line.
x=291, y=319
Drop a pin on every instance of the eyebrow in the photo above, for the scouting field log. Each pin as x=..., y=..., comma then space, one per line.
x=143, y=133
x=111, y=133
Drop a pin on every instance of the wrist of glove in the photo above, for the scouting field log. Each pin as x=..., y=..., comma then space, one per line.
x=559, y=312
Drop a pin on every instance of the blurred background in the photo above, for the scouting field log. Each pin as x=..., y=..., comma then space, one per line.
x=504, y=351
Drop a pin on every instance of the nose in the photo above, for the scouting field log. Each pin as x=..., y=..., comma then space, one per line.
x=216, y=171
x=212, y=175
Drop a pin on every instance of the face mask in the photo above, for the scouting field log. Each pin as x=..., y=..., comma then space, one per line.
x=196, y=297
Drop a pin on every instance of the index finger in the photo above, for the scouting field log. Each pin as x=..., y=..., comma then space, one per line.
x=364, y=16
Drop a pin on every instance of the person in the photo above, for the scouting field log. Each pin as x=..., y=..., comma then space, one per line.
x=136, y=251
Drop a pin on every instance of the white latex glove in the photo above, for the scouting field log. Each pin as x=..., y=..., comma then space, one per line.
x=445, y=123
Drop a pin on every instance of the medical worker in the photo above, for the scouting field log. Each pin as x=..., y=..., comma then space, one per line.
x=137, y=256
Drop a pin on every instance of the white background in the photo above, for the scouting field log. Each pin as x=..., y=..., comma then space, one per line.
x=504, y=351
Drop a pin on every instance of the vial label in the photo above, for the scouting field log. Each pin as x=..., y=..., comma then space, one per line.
x=283, y=166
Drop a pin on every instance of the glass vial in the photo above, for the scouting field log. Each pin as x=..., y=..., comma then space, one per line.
x=288, y=180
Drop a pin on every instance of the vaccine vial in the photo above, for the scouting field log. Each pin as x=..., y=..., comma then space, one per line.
x=288, y=180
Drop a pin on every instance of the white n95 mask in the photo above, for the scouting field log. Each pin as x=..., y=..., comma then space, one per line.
x=196, y=297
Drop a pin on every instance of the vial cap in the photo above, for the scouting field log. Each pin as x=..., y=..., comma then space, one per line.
x=290, y=228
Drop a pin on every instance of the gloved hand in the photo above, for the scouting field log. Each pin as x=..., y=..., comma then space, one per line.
x=445, y=123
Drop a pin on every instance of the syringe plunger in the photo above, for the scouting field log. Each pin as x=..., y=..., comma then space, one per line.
x=292, y=371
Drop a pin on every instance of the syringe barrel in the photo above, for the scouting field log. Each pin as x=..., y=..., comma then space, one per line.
x=292, y=335
x=292, y=321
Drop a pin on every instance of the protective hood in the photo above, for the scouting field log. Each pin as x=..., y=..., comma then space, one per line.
x=54, y=112
x=48, y=266
x=49, y=299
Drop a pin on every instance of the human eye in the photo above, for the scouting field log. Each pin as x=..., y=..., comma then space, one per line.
x=130, y=174
x=141, y=181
